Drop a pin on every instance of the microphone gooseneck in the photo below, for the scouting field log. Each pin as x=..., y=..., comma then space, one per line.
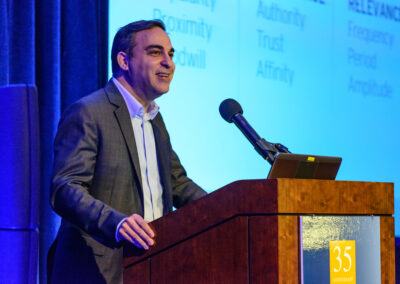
x=231, y=111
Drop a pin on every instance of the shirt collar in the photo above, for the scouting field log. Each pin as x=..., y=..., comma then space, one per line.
x=134, y=107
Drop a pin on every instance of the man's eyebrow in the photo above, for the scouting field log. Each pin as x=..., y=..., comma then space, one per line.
x=153, y=46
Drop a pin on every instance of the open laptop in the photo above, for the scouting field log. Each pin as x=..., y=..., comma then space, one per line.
x=289, y=165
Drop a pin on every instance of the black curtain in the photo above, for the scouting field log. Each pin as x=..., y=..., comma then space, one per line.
x=61, y=47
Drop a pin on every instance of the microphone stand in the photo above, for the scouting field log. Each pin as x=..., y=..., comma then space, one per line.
x=266, y=149
x=270, y=150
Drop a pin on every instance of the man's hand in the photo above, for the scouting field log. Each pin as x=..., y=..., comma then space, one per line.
x=136, y=231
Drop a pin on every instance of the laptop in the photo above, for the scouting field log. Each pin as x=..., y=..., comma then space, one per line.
x=289, y=165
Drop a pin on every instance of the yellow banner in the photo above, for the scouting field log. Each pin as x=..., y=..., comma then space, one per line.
x=342, y=259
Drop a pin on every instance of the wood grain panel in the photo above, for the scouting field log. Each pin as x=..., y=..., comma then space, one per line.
x=274, y=249
x=335, y=197
x=218, y=255
x=388, y=269
x=139, y=274
x=288, y=249
x=263, y=247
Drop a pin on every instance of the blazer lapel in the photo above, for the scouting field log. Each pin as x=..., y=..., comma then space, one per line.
x=124, y=121
x=163, y=157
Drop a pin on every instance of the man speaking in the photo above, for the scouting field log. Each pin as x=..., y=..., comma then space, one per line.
x=114, y=167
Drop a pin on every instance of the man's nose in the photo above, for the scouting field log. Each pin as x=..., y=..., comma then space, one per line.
x=167, y=62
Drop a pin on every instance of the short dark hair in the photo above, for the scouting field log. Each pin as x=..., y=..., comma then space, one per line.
x=124, y=40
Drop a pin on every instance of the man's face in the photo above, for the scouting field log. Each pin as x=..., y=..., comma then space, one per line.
x=150, y=64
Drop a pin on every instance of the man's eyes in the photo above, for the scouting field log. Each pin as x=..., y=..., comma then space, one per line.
x=158, y=52
x=155, y=52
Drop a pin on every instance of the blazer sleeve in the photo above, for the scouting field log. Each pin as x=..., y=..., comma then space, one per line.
x=75, y=151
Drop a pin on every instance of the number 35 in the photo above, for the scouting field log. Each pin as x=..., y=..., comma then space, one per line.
x=340, y=257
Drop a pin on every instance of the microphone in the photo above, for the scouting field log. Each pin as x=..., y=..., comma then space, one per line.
x=231, y=111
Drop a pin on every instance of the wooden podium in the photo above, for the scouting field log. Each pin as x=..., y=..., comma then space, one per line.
x=248, y=232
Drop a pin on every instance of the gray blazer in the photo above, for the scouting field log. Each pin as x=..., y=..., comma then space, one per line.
x=96, y=183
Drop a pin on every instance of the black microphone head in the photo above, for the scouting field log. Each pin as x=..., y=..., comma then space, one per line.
x=229, y=108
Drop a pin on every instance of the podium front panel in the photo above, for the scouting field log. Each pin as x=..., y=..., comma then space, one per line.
x=218, y=255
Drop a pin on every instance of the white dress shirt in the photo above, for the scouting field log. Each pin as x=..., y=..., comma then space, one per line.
x=146, y=148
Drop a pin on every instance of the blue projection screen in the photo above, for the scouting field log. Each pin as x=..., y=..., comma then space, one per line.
x=320, y=77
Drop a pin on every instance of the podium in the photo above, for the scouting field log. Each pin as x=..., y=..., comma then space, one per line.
x=249, y=231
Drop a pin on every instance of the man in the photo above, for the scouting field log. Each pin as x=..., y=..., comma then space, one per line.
x=114, y=164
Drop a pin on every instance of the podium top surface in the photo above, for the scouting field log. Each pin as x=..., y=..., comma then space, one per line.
x=269, y=197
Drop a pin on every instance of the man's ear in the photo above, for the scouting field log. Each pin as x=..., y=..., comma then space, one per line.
x=122, y=59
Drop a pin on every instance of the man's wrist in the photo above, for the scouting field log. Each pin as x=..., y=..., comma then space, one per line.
x=117, y=230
